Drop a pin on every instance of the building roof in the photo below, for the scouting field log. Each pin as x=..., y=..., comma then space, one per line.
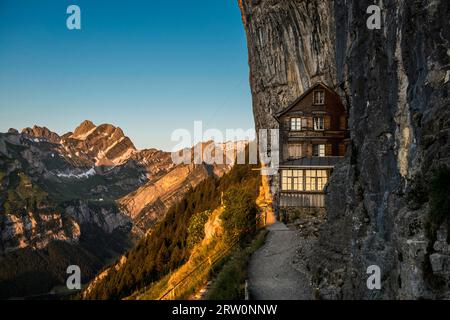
x=304, y=94
x=319, y=162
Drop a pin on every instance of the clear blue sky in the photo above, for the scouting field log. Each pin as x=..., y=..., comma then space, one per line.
x=148, y=66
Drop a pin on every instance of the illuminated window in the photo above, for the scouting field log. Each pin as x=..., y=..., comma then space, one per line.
x=296, y=124
x=319, y=150
x=322, y=179
x=319, y=97
x=315, y=180
x=303, y=180
x=292, y=180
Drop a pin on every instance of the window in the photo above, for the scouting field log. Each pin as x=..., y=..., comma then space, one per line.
x=292, y=180
x=319, y=150
x=296, y=124
x=315, y=180
x=321, y=178
x=318, y=123
x=303, y=180
x=319, y=97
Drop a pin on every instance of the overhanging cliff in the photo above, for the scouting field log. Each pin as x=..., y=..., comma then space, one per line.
x=394, y=83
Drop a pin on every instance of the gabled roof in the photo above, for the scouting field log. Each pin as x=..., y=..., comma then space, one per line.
x=304, y=94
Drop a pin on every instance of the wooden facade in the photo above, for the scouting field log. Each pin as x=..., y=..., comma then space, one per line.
x=313, y=137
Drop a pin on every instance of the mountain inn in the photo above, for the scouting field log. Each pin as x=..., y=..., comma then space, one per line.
x=313, y=137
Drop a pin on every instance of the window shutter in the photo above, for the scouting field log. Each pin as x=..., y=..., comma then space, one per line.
x=294, y=151
x=341, y=149
x=304, y=123
x=285, y=152
x=309, y=120
x=309, y=150
x=328, y=149
x=343, y=122
x=327, y=122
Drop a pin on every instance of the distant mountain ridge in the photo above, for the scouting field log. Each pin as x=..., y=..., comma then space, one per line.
x=103, y=145
x=90, y=190
x=42, y=132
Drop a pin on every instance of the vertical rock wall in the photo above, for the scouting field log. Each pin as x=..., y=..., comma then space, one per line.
x=395, y=84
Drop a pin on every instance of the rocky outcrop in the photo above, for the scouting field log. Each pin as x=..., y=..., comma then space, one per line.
x=106, y=144
x=35, y=230
x=156, y=162
x=149, y=201
x=102, y=275
x=106, y=217
x=290, y=45
x=42, y=132
x=394, y=83
x=83, y=129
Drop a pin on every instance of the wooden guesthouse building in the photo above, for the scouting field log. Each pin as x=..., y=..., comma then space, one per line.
x=313, y=137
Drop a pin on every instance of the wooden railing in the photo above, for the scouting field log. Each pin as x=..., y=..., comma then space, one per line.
x=304, y=200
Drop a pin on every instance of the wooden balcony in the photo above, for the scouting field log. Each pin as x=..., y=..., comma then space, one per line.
x=312, y=134
x=302, y=200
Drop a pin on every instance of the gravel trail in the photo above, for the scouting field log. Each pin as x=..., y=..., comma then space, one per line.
x=274, y=270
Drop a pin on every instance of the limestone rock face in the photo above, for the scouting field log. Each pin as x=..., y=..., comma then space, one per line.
x=83, y=129
x=35, y=230
x=155, y=162
x=291, y=46
x=106, y=144
x=107, y=218
x=42, y=132
x=152, y=200
x=394, y=82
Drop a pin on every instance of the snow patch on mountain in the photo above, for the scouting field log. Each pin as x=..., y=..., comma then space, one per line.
x=83, y=175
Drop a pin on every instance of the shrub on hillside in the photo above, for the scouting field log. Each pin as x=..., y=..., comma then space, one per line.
x=196, y=228
x=239, y=216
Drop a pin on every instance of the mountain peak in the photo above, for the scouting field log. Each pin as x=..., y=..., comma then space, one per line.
x=85, y=127
x=13, y=131
x=105, y=143
x=42, y=132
